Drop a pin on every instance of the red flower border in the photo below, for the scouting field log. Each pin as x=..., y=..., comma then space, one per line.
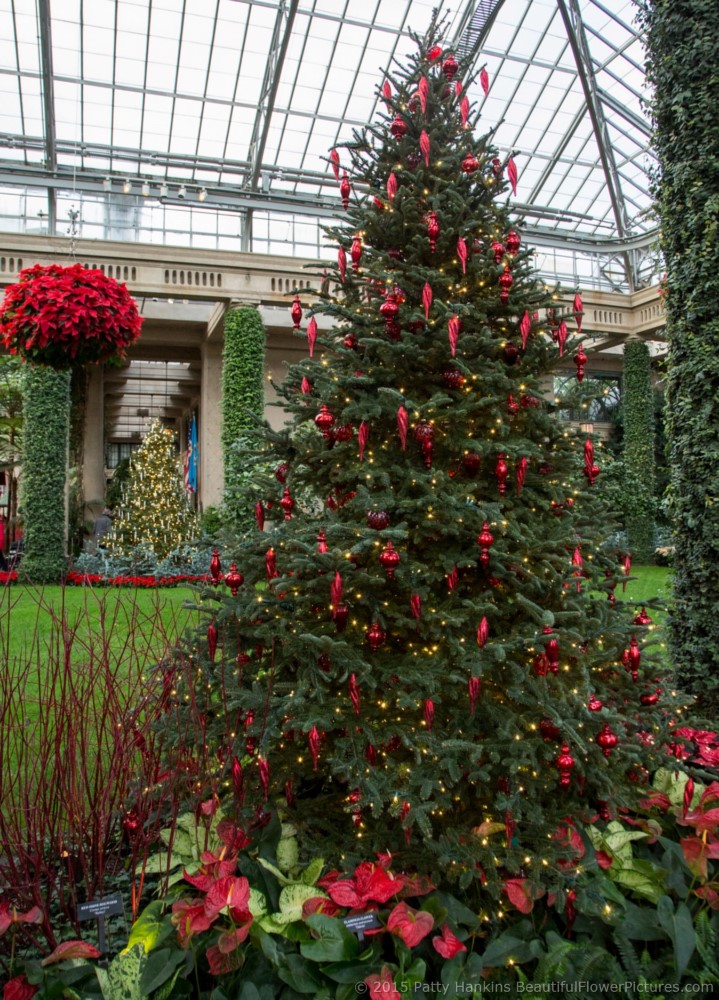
x=75, y=579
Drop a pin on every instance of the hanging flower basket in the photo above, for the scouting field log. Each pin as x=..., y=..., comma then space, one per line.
x=60, y=316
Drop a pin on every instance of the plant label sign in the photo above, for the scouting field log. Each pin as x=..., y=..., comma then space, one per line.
x=98, y=909
x=361, y=922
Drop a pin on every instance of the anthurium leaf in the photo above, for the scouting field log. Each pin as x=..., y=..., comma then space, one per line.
x=679, y=926
x=268, y=866
x=151, y=928
x=258, y=903
x=313, y=871
x=293, y=897
x=288, y=853
x=160, y=967
x=333, y=942
x=300, y=974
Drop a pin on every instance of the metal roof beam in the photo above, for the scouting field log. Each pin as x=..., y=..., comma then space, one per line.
x=571, y=16
x=474, y=27
x=635, y=120
x=48, y=104
x=278, y=49
x=557, y=154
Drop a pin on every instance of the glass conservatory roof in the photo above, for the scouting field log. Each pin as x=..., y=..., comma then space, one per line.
x=233, y=105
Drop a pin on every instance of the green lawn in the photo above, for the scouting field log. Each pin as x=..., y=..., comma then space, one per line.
x=651, y=582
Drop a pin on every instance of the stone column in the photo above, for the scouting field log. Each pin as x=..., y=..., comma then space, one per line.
x=211, y=478
x=93, y=478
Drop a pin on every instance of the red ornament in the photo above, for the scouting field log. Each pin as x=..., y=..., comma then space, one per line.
x=270, y=564
x=578, y=311
x=450, y=67
x=322, y=543
x=216, y=566
x=498, y=250
x=565, y=764
x=355, y=695
x=260, y=515
x=378, y=204
x=424, y=146
x=212, y=636
x=345, y=189
x=580, y=360
x=402, y=425
x=336, y=589
x=524, y=328
x=296, y=312
x=541, y=665
x=521, y=473
x=462, y=254
x=264, y=769
x=335, y=161
x=314, y=743
x=362, y=438
x=428, y=713
x=342, y=264
x=642, y=618
x=475, y=687
x=548, y=730
x=485, y=540
x=595, y=704
x=434, y=53
x=607, y=740
x=483, y=633
x=424, y=436
x=512, y=174
x=356, y=253
x=505, y=283
x=311, y=335
x=415, y=604
x=281, y=472
x=513, y=242
x=650, y=698
x=497, y=168
x=427, y=299
x=432, y=230
x=398, y=128
x=234, y=579
x=389, y=311
x=562, y=334
x=471, y=463
x=423, y=91
x=591, y=471
x=391, y=186
x=454, y=325
x=387, y=92
x=453, y=578
x=470, y=163
x=305, y=386
x=510, y=353
x=501, y=471
x=324, y=420
x=350, y=342
x=389, y=560
x=634, y=658
x=344, y=432
x=375, y=636
x=377, y=519
x=577, y=561
x=59, y=316
x=340, y=614
x=484, y=80
x=551, y=649
x=454, y=379
x=287, y=504
x=464, y=111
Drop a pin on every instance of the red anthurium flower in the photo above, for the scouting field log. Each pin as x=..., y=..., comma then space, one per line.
x=369, y=882
x=222, y=964
x=71, y=949
x=20, y=989
x=517, y=890
x=232, y=836
x=655, y=800
x=709, y=894
x=231, y=894
x=329, y=879
x=229, y=940
x=9, y=916
x=697, y=853
x=416, y=885
x=710, y=794
x=189, y=917
x=382, y=986
x=319, y=904
x=447, y=945
x=410, y=925
x=604, y=860
x=212, y=869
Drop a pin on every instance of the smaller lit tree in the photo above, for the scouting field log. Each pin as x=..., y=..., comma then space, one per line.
x=154, y=511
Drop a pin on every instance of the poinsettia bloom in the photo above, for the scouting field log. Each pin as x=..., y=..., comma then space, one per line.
x=412, y=926
x=708, y=756
x=699, y=736
x=9, y=916
x=20, y=989
x=189, y=917
x=370, y=882
x=71, y=949
x=223, y=963
x=382, y=986
x=447, y=945
x=231, y=895
x=212, y=868
x=319, y=904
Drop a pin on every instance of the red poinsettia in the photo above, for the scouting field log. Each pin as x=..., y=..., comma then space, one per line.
x=60, y=316
x=370, y=883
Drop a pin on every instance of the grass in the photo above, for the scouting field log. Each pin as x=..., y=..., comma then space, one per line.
x=651, y=582
x=29, y=615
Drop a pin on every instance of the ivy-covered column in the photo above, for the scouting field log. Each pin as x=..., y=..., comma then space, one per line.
x=638, y=421
x=243, y=362
x=44, y=472
x=683, y=55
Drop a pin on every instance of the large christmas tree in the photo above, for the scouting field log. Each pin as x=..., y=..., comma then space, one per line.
x=429, y=655
x=154, y=511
